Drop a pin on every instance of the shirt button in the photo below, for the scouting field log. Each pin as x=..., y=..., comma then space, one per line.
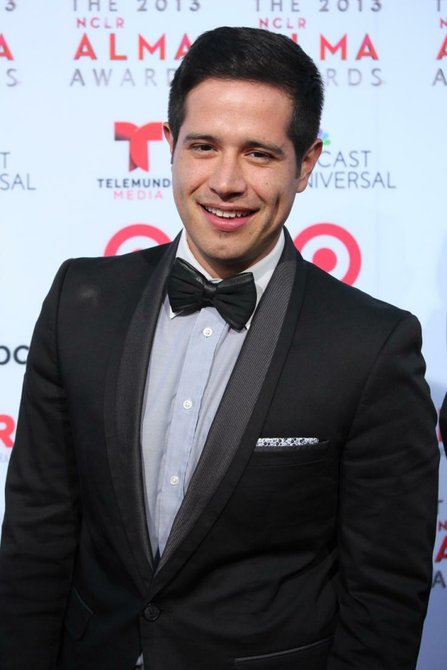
x=187, y=404
x=207, y=332
x=151, y=612
x=174, y=480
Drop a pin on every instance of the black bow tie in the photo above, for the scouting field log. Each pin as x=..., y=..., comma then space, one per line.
x=234, y=298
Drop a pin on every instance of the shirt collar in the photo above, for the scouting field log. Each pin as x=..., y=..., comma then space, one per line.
x=262, y=270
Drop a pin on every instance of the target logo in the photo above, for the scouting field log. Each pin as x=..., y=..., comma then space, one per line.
x=134, y=238
x=333, y=249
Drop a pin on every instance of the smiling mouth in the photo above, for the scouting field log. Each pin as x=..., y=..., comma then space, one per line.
x=228, y=214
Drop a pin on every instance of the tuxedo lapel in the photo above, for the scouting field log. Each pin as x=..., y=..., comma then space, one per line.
x=124, y=397
x=241, y=413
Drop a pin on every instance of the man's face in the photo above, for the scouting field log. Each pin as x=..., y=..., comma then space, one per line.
x=234, y=172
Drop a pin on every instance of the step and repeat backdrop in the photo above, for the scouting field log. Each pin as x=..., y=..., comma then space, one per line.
x=84, y=170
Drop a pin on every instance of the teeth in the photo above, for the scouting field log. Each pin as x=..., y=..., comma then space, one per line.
x=225, y=214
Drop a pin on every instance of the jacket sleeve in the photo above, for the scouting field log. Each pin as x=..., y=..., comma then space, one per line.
x=41, y=522
x=387, y=513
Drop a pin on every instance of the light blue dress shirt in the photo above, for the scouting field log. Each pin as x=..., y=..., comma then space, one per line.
x=191, y=361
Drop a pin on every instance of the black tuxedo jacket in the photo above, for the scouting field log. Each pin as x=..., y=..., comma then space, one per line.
x=306, y=558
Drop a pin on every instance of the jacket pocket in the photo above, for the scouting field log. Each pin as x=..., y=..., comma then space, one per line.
x=298, y=455
x=77, y=615
x=308, y=657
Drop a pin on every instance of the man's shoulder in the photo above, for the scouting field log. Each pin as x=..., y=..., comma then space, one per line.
x=133, y=262
x=111, y=271
x=348, y=305
x=117, y=279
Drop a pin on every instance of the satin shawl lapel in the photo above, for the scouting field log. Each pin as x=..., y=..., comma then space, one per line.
x=125, y=389
x=239, y=419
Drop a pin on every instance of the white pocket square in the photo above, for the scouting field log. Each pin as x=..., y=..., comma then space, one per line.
x=286, y=441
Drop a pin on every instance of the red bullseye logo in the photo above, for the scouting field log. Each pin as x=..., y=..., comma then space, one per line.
x=134, y=238
x=332, y=248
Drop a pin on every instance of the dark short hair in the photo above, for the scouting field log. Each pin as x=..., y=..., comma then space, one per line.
x=254, y=55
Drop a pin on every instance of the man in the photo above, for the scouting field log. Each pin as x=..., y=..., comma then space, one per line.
x=201, y=494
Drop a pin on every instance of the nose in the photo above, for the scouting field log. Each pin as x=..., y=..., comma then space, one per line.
x=227, y=179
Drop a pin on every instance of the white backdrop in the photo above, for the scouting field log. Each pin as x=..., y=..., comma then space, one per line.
x=83, y=90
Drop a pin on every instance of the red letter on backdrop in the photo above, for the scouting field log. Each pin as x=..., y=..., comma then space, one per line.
x=443, y=50
x=442, y=553
x=6, y=429
x=341, y=44
x=5, y=51
x=113, y=54
x=367, y=49
x=85, y=49
x=159, y=44
x=184, y=47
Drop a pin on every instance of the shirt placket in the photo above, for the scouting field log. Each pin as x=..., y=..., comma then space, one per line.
x=205, y=336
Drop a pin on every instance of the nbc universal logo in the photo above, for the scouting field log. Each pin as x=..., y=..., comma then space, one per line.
x=140, y=182
x=12, y=177
x=348, y=168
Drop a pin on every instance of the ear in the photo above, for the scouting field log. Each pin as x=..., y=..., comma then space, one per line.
x=169, y=137
x=308, y=163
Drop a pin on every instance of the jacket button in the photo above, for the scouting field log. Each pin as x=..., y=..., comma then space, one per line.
x=151, y=612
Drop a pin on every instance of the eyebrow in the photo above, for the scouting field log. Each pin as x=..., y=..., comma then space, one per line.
x=199, y=136
x=249, y=144
x=268, y=146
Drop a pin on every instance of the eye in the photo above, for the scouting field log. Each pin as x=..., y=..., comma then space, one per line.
x=261, y=156
x=201, y=147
